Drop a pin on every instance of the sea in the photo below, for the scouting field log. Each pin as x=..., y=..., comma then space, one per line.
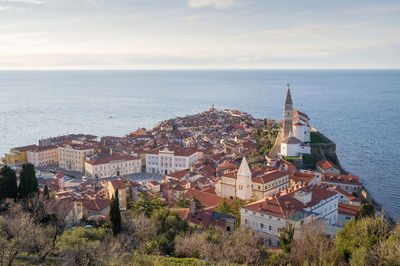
x=357, y=109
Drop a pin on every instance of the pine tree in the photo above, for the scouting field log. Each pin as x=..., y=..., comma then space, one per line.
x=115, y=214
x=46, y=193
x=28, y=183
x=8, y=183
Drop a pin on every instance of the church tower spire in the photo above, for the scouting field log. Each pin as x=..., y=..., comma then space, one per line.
x=287, y=114
x=243, y=181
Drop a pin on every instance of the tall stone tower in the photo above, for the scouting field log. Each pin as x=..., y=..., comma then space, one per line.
x=287, y=114
x=243, y=181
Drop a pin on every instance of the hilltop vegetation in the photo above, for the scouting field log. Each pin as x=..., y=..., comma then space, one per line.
x=154, y=235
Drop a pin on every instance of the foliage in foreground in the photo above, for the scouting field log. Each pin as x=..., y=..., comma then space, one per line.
x=158, y=236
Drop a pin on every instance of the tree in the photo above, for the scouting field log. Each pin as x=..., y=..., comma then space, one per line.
x=231, y=209
x=82, y=246
x=8, y=183
x=115, y=214
x=46, y=194
x=224, y=207
x=286, y=237
x=168, y=225
x=28, y=181
x=358, y=238
x=147, y=206
x=366, y=210
x=312, y=246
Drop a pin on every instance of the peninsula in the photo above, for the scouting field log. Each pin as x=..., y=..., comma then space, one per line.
x=216, y=169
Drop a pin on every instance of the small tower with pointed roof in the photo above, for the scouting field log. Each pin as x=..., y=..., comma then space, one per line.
x=243, y=181
x=287, y=114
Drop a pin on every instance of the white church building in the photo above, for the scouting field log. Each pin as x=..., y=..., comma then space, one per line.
x=296, y=130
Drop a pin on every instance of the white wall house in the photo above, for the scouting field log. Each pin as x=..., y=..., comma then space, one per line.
x=292, y=146
x=169, y=160
x=116, y=165
x=299, y=207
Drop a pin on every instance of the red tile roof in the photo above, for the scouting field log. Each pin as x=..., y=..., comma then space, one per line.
x=269, y=176
x=25, y=148
x=302, y=177
x=325, y=165
x=94, y=204
x=286, y=205
x=348, y=209
x=297, y=112
x=340, y=179
x=207, y=199
x=179, y=175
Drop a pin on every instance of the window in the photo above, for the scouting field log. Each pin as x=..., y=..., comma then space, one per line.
x=245, y=221
x=261, y=225
x=269, y=228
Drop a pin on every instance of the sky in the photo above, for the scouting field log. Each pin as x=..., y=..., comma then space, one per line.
x=199, y=34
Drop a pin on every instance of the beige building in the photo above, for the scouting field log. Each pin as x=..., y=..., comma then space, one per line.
x=43, y=156
x=72, y=156
x=124, y=192
x=115, y=165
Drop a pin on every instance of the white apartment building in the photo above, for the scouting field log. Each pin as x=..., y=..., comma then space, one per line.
x=296, y=207
x=72, y=156
x=171, y=159
x=116, y=165
x=43, y=156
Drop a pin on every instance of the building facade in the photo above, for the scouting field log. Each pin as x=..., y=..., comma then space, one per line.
x=243, y=185
x=169, y=160
x=115, y=165
x=299, y=207
x=43, y=156
x=18, y=155
x=72, y=156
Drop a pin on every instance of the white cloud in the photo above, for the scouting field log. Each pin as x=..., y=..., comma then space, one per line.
x=37, y=2
x=218, y=4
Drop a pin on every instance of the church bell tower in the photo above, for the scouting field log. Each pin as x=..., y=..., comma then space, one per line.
x=287, y=114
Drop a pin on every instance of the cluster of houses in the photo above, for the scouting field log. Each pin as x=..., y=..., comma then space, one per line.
x=200, y=158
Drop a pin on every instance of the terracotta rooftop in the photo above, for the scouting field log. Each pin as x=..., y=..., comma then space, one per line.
x=348, y=209
x=269, y=176
x=179, y=175
x=25, y=148
x=297, y=112
x=286, y=205
x=108, y=159
x=340, y=179
x=325, y=165
x=207, y=199
x=302, y=177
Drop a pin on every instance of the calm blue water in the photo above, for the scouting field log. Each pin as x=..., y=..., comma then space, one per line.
x=359, y=110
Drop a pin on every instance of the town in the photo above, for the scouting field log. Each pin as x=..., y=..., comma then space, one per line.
x=210, y=158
